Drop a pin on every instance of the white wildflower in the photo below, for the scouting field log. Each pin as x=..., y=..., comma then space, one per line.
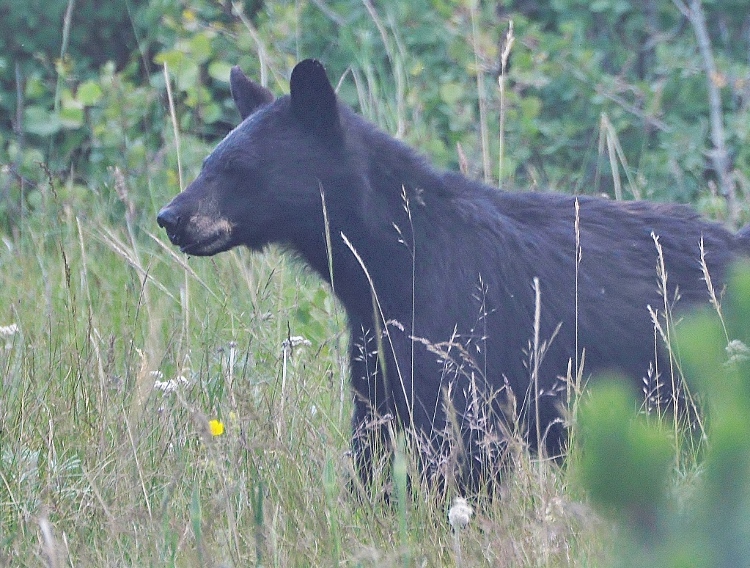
x=294, y=341
x=8, y=330
x=171, y=385
x=738, y=352
x=460, y=513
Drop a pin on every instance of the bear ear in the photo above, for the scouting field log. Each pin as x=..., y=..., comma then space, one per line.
x=313, y=97
x=248, y=95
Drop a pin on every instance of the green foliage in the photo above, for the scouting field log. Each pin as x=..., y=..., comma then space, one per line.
x=86, y=94
x=625, y=463
x=625, y=459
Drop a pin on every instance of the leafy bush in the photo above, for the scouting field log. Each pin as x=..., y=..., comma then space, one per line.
x=626, y=460
x=609, y=97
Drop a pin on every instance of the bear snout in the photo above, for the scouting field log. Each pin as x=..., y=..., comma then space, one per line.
x=169, y=220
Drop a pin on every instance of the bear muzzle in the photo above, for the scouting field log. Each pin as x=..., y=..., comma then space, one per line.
x=169, y=220
x=197, y=235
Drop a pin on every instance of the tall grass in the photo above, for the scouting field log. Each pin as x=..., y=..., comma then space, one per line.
x=116, y=354
x=122, y=354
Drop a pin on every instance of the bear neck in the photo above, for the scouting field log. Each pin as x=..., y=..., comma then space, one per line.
x=374, y=205
x=396, y=171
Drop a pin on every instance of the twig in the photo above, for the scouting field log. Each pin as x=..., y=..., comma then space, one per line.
x=600, y=90
x=174, y=124
x=67, y=20
x=260, y=46
x=481, y=94
x=718, y=154
x=509, y=39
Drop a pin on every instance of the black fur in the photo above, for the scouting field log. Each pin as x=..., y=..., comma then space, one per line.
x=439, y=271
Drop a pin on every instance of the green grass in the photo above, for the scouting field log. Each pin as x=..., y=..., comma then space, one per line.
x=99, y=468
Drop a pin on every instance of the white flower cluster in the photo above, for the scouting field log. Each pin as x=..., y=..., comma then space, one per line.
x=460, y=513
x=294, y=341
x=8, y=330
x=168, y=386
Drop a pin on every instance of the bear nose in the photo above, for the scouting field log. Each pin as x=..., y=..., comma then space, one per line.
x=168, y=219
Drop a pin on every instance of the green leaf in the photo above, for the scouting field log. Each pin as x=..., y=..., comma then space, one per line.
x=40, y=121
x=34, y=199
x=173, y=58
x=200, y=48
x=450, y=93
x=186, y=74
x=624, y=460
x=211, y=113
x=71, y=118
x=89, y=93
x=599, y=6
x=219, y=71
x=35, y=88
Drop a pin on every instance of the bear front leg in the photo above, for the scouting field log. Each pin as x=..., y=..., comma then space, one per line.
x=371, y=444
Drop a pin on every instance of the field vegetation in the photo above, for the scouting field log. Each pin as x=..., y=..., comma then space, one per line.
x=158, y=410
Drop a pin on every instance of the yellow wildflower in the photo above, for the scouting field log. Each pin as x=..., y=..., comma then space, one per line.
x=216, y=427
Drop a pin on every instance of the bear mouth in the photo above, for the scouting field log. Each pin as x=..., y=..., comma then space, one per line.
x=207, y=246
x=204, y=237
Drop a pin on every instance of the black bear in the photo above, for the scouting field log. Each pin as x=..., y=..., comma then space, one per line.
x=467, y=306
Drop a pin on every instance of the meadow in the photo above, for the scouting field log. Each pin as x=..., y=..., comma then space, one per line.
x=160, y=410
x=117, y=355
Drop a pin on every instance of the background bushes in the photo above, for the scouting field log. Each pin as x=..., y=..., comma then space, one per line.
x=603, y=97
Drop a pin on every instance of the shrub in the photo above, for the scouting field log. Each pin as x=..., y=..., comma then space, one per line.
x=626, y=460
